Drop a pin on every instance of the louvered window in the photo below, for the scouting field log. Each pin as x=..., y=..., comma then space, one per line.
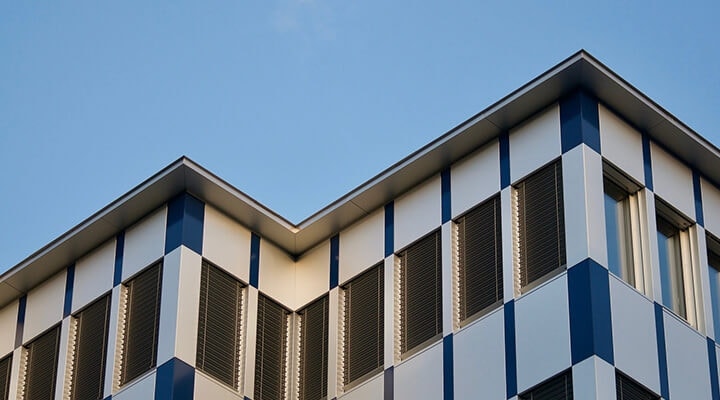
x=41, y=363
x=314, y=350
x=557, y=388
x=90, y=328
x=363, y=339
x=271, y=350
x=142, y=320
x=420, y=294
x=220, y=325
x=539, y=226
x=5, y=365
x=628, y=389
x=479, y=259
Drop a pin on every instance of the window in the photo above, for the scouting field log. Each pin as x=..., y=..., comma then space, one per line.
x=361, y=302
x=628, y=389
x=5, y=369
x=271, y=358
x=313, y=321
x=140, y=317
x=557, y=388
x=539, y=226
x=40, y=366
x=713, y=256
x=220, y=328
x=478, y=247
x=420, y=294
x=89, y=333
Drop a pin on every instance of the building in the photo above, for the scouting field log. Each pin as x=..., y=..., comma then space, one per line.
x=562, y=243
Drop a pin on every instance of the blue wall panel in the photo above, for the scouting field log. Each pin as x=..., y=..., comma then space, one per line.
x=185, y=219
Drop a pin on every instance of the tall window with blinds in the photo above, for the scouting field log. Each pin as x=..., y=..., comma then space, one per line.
x=478, y=259
x=5, y=369
x=220, y=328
x=420, y=294
x=361, y=302
x=628, y=389
x=313, y=361
x=558, y=388
x=89, y=329
x=539, y=226
x=140, y=315
x=271, y=357
x=40, y=366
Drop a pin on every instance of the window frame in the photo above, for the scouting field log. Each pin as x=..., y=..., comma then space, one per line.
x=285, y=373
x=304, y=330
x=713, y=265
x=26, y=368
x=75, y=350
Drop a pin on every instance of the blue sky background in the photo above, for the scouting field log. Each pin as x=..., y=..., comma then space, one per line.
x=295, y=102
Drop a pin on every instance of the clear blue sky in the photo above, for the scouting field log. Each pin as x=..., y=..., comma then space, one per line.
x=295, y=102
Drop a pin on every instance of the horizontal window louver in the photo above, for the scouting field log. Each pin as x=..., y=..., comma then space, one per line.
x=541, y=223
x=90, y=349
x=314, y=350
x=480, y=258
x=557, y=388
x=364, y=321
x=219, y=325
x=421, y=293
x=271, y=350
x=142, y=323
x=5, y=369
x=627, y=389
x=41, y=367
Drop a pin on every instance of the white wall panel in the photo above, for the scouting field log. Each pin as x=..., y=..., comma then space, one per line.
x=250, y=340
x=634, y=342
x=93, y=275
x=144, y=243
x=143, y=388
x=371, y=389
x=389, y=311
x=475, y=178
x=208, y=388
x=687, y=360
x=672, y=181
x=621, y=144
x=44, y=307
x=418, y=212
x=362, y=245
x=312, y=275
x=421, y=376
x=226, y=244
x=479, y=358
x=711, y=207
x=276, y=274
x=593, y=379
x=8, y=322
x=534, y=143
x=542, y=329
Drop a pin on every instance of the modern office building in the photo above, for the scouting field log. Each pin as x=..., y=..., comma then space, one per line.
x=563, y=243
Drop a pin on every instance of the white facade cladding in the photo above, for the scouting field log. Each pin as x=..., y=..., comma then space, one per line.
x=441, y=278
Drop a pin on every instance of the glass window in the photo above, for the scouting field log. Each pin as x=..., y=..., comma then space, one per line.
x=671, y=272
x=714, y=274
x=618, y=228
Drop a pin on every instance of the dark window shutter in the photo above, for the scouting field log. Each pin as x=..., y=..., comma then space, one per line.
x=557, y=388
x=142, y=323
x=41, y=367
x=628, y=389
x=364, y=321
x=270, y=363
x=314, y=350
x=541, y=223
x=5, y=369
x=219, y=325
x=480, y=258
x=421, y=292
x=90, y=350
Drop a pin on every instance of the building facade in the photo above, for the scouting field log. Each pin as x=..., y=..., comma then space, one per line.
x=562, y=243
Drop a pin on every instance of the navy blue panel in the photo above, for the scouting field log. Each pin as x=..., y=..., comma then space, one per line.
x=590, y=315
x=334, y=261
x=504, y=160
x=175, y=381
x=389, y=229
x=647, y=161
x=185, y=219
x=579, y=122
x=20, y=321
x=510, y=351
x=389, y=384
x=699, y=218
x=448, y=378
x=119, y=250
x=662, y=354
x=712, y=356
x=445, y=185
x=69, y=280
x=108, y=398
x=254, y=260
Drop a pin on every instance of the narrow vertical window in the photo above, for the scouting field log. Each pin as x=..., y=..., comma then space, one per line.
x=557, y=388
x=220, y=325
x=714, y=274
x=628, y=389
x=619, y=232
x=313, y=361
x=5, y=369
x=271, y=357
x=90, y=330
x=671, y=272
x=40, y=367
